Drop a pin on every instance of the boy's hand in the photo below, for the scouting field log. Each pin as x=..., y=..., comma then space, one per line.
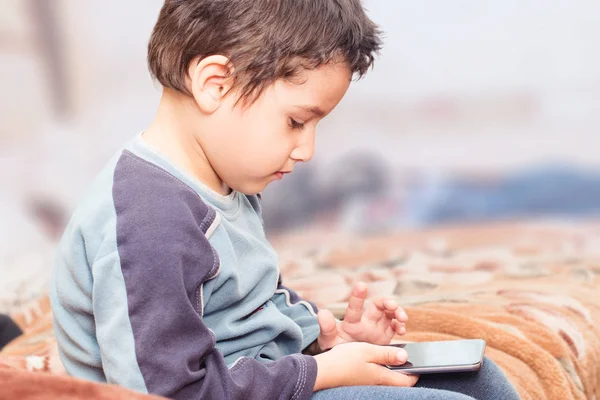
x=378, y=324
x=361, y=364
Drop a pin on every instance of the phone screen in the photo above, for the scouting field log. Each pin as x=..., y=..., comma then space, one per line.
x=452, y=353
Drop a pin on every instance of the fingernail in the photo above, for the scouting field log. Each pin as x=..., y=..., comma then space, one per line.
x=402, y=355
x=403, y=315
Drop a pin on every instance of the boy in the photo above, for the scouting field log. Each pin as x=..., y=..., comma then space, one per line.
x=165, y=281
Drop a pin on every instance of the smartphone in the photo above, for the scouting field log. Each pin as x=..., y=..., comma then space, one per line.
x=441, y=357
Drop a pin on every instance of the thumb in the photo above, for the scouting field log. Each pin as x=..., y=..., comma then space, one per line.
x=391, y=355
x=388, y=355
x=328, y=326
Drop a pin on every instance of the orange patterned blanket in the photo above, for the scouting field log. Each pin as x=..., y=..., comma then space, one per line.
x=530, y=290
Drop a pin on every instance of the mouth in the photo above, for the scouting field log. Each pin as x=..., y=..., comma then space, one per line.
x=280, y=174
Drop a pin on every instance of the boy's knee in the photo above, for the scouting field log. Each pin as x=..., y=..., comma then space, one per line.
x=496, y=381
x=489, y=368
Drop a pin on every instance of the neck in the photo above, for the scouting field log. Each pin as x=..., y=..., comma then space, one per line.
x=174, y=133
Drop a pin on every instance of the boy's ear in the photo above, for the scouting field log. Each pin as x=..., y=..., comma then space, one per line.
x=210, y=80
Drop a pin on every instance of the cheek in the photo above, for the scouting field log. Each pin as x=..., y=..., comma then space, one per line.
x=254, y=141
x=252, y=150
x=266, y=147
x=264, y=138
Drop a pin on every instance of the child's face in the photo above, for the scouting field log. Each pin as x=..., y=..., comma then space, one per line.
x=248, y=148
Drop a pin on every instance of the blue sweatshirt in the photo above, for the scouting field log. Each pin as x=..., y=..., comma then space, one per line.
x=166, y=287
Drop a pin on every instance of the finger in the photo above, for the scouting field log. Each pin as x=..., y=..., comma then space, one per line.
x=398, y=327
x=392, y=308
x=377, y=310
x=387, y=355
x=400, y=315
x=390, y=304
x=390, y=330
x=401, y=329
x=328, y=326
x=396, y=378
x=356, y=304
x=395, y=325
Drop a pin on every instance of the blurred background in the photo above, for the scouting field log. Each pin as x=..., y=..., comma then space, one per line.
x=475, y=111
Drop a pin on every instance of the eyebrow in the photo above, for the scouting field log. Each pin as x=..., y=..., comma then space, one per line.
x=315, y=110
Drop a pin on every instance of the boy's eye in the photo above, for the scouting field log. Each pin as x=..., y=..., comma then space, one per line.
x=295, y=124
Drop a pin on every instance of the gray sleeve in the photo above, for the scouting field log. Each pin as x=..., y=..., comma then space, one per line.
x=165, y=258
x=302, y=312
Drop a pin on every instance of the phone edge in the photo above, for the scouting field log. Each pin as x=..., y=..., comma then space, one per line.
x=436, y=370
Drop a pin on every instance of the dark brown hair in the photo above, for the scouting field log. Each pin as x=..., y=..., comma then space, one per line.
x=264, y=40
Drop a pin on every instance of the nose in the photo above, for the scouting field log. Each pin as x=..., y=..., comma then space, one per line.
x=305, y=147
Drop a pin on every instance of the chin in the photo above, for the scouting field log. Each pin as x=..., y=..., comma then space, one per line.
x=249, y=189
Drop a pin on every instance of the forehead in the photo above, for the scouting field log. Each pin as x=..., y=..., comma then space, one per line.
x=322, y=87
